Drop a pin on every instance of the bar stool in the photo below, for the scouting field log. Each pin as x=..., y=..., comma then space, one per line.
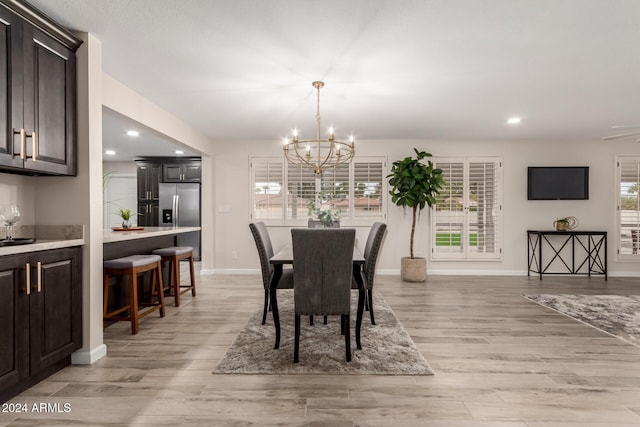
x=132, y=266
x=173, y=255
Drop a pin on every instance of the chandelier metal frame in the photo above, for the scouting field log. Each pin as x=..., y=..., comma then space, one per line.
x=318, y=154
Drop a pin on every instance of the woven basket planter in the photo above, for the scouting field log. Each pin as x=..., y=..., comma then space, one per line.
x=413, y=269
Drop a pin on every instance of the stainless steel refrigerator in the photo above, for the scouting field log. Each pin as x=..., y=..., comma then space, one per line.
x=179, y=206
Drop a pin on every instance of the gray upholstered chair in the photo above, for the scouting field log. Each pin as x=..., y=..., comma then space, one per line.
x=265, y=252
x=322, y=272
x=371, y=250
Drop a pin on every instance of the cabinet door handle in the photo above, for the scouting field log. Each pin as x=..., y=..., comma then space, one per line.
x=27, y=269
x=22, y=141
x=33, y=145
x=39, y=265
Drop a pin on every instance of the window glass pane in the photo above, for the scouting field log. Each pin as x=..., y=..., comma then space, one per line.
x=267, y=197
x=449, y=209
x=629, y=210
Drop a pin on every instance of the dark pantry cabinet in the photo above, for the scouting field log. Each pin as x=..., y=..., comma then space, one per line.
x=37, y=93
x=40, y=316
x=149, y=175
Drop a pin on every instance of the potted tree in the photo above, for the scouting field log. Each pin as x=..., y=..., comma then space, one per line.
x=415, y=185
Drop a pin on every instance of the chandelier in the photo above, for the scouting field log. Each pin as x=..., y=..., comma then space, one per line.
x=318, y=154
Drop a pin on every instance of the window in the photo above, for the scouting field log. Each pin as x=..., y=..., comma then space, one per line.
x=356, y=189
x=628, y=206
x=466, y=221
x=267, y=200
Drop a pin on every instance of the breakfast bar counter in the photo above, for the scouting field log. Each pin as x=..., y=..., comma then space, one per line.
x=148, y=232
x=124, y=243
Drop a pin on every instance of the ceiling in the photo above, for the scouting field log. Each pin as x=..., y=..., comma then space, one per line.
x=396, y=69
x=148, y=142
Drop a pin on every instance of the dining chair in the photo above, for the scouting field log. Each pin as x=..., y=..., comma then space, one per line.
x=265, y=252
x=322, y=272
x=371, y=251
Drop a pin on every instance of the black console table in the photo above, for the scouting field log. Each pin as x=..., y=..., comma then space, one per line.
x=573, y=252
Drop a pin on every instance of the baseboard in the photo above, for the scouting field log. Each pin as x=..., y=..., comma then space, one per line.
x=232, y=271
x=89, y=357
x=460, y=272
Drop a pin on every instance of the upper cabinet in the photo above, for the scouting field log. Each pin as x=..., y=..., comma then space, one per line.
x=37, y=93
x=188, y=171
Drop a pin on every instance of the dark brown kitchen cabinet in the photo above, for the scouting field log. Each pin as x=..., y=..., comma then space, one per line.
x=181, y=172
x=38, y=93
x=148, y=184
x=40, y=316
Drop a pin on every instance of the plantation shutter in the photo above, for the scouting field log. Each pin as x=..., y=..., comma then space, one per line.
x=466, y=221
x=281, y=192
x=301, y=186
x=484, y=207
x=334, y=184
x=367, y=189
x=628, y=207
x=267, y=197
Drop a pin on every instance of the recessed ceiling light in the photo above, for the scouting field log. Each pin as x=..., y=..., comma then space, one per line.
x=514, y=120
x=110, y=152
x=133, y=133
x=179, y=152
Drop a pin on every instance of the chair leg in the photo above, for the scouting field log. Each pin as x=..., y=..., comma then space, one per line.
x=347, y=342
x=296, y=344
x=158, y=274
x=325, y=320
x=175, y=267
x=193, y=276
x=370, y=293
x=311, y=320
x=266, y=304
x=133, y=303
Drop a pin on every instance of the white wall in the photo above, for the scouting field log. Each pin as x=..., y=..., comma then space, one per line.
x=120, y=190
x=231, y=165
x=19, y=190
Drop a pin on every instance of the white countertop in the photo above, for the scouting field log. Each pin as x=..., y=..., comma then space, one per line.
x=40, y=245
x=111, y=236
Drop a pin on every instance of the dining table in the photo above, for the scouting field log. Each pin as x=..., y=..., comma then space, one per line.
x=285, y=256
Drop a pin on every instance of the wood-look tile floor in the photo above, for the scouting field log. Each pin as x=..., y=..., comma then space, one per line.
x=500, y=360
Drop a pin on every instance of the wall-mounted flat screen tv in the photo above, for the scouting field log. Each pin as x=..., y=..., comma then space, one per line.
x=558, y=183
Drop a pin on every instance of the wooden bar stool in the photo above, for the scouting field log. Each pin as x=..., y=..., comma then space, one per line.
x=132, y=266
x=173, y=255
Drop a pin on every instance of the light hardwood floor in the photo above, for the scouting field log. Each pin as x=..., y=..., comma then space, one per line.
x=500, y=360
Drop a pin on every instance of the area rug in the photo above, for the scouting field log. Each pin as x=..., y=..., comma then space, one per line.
x=617, y=315
x=387, y=348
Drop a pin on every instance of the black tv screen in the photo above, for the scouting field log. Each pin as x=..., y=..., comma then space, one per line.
x=558, y=183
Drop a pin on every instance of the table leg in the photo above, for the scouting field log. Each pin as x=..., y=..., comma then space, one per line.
x=357, y=275
x=277, y=273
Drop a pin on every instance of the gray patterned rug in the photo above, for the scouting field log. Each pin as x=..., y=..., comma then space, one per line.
x=387, y=349
x=616, y=314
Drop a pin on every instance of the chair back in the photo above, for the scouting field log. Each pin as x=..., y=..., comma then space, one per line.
x=322, y=270
x=371, y=250
x=265, y=250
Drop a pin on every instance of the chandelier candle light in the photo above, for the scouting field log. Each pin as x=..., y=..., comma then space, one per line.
x=318, y=154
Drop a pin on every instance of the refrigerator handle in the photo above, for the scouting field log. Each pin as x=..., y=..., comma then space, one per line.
x=176, y=210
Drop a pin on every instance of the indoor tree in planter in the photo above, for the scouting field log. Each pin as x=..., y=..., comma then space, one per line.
x=415, y=185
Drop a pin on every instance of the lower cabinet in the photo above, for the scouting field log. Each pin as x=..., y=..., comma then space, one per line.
x=40, y=316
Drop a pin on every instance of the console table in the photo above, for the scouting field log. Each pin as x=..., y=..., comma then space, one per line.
x=572, y=252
